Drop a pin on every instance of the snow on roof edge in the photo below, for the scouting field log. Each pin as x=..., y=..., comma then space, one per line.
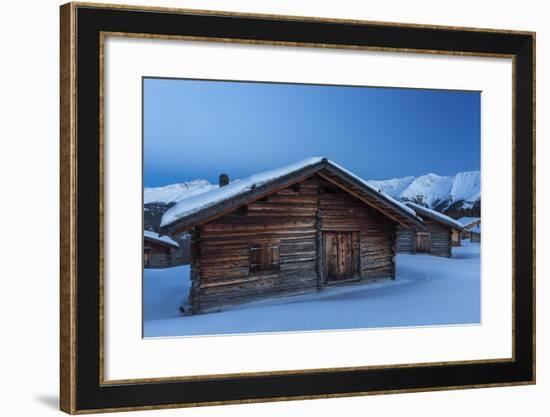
x=202, y=201
x=436, y=214
x=468, y=220
x=161, y=239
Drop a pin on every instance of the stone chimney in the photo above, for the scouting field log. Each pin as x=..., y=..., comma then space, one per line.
x=223, y=180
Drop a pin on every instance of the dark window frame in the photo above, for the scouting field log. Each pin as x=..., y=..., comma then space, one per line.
x=264, y=256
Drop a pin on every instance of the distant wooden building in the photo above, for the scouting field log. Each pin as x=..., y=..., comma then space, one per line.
x=159, y=252
x=469, y=223
x=436, y=238
x=475, y=234
x=293, y=230
x=456, y=237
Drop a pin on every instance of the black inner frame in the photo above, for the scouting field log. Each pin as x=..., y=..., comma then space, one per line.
x=91, y=395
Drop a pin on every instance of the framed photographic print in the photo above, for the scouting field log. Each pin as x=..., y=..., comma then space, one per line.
x=265, y=208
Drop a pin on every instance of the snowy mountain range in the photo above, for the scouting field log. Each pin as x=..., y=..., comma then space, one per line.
x=458, y=194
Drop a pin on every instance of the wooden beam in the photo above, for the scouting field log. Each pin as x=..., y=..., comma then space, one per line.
x=364, y=189
x=356, y=191
x=320, y=254
x=362, y=198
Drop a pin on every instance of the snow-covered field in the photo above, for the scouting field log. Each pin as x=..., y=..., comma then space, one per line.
x=427, y=291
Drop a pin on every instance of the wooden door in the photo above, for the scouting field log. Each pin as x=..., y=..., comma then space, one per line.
x=341, y=251
x=146, y=259
x=423, y=243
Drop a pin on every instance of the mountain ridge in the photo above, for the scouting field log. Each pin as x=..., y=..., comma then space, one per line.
x=454, y=195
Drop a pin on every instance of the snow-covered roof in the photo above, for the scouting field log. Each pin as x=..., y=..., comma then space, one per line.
x=225, y=196
x=466, y=221
x=435, y=215
x=163, y=240
x=476, y=229
x=174, y=193
x=196, y=203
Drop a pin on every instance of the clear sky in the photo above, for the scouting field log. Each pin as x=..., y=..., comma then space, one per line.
x=195, y=129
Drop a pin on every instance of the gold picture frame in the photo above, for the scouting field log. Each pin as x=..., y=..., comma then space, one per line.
x=78, y=392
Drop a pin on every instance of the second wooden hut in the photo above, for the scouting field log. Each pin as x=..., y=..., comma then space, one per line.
x=436, y=238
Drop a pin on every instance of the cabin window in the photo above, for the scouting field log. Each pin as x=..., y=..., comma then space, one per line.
x=264, y=257
x=295, y=188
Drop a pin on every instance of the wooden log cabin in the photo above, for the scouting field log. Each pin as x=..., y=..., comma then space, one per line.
x=293, y=230
x=475, y=234
x=436, y=238
x=159, y=252
x=469, y=223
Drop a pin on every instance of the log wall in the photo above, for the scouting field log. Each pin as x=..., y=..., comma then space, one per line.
x=406, y=240
x=292, y=219
x=440, y=239
x=158, y=256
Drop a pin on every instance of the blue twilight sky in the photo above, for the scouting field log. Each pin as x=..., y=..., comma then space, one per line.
x=196, y=129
